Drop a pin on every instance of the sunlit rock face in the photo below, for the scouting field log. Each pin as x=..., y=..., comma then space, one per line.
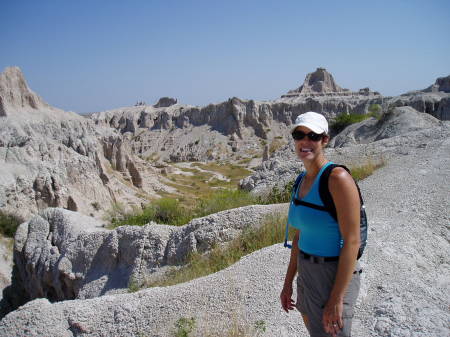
x=54, y=158
x=434, y=100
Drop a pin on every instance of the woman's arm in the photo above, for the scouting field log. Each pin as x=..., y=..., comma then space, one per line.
x=346, y=198
x=286, y=294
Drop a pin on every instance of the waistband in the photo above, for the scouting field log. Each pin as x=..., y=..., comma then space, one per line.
x=317, y=259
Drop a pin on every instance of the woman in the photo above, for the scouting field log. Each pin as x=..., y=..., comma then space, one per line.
x=324, y=251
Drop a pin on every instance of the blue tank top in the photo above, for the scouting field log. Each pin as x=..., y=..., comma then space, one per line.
x=319, y=232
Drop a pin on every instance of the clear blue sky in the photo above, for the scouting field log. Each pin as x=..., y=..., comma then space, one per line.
x=95, y=55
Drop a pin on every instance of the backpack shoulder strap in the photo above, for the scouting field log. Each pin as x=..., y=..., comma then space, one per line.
x=296, y=183
x=324, y=191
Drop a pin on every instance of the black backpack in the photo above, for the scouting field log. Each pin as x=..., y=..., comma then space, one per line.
x=328, y=202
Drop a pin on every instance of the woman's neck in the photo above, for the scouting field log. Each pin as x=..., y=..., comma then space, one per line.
x=313, y=168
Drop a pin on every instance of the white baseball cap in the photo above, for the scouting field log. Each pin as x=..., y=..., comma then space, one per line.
x=313, y=121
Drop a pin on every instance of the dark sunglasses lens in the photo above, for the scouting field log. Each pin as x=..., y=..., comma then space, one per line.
x=314, y=136
x=298, y=135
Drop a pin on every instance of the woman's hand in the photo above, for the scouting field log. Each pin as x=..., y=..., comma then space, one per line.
x=286, y=298
x=332, y=316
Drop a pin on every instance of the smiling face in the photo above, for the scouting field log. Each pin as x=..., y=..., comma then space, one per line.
x=307, y=149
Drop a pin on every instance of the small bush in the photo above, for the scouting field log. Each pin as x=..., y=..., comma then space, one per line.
x=375, y=110
x=96, y=205
x=8, y=224
x=278, y=195
x=184, y=326
x=116, y=213
x=168, y=211
x=344, y=120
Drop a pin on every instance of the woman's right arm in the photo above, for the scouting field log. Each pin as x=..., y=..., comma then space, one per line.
x=286, y=294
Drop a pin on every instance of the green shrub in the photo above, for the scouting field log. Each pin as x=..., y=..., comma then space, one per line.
x=277, y=195
x=165, y=210
x=344, y=120
x=8, y=224
x=221, y=200
x=375, y=110
x=184, y=326
x=116, y=213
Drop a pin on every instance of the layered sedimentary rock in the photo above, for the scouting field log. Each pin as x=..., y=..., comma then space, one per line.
x=15, y=95
x=434, y=100
x=54, y=158
x=233, y=129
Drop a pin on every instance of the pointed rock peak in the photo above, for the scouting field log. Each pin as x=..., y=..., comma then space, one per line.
x=319, y=82
x=15, y=94
x=441, y=84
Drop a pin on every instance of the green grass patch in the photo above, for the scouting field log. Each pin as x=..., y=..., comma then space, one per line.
x=165, y=210
x=251, y=240
x=245, y=161
x=8, y=224
x=231, y=171
x=344, y=120
x=359, y=172
x=177, y=212
x=221, y=200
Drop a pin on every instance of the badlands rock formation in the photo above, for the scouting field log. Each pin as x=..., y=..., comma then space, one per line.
x=374, y=140
x=405, y=278
x=233, y=129
x=434, y=100
x=62, y=255
x=53, y=158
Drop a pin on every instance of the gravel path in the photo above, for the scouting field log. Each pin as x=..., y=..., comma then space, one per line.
x=406, y=287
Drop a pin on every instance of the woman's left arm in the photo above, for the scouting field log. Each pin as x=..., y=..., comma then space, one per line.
x=346, y=199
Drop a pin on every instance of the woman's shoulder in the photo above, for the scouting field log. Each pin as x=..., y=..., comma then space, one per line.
x=340, y=179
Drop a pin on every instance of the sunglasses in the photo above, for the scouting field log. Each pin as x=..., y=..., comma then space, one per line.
x=299, y=135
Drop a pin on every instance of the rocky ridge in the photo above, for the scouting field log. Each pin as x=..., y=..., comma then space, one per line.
x=434, y=100
x=63, y=255
x=54, y=158
x=234, y=129
x=370, y=140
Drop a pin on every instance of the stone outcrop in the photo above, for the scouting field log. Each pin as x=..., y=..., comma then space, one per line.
x=433, y=100
x=54, y=158
x=397, y=122
x=62, y=255
x=398, y=130
x=321, y=83
x=15, y=95
x=165, y=102
x=318, y=82
x=222, y=131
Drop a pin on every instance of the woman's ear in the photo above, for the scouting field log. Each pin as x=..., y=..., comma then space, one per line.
x=325, y=140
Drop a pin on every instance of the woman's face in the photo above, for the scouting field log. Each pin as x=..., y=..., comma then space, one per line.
x=307, y=149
